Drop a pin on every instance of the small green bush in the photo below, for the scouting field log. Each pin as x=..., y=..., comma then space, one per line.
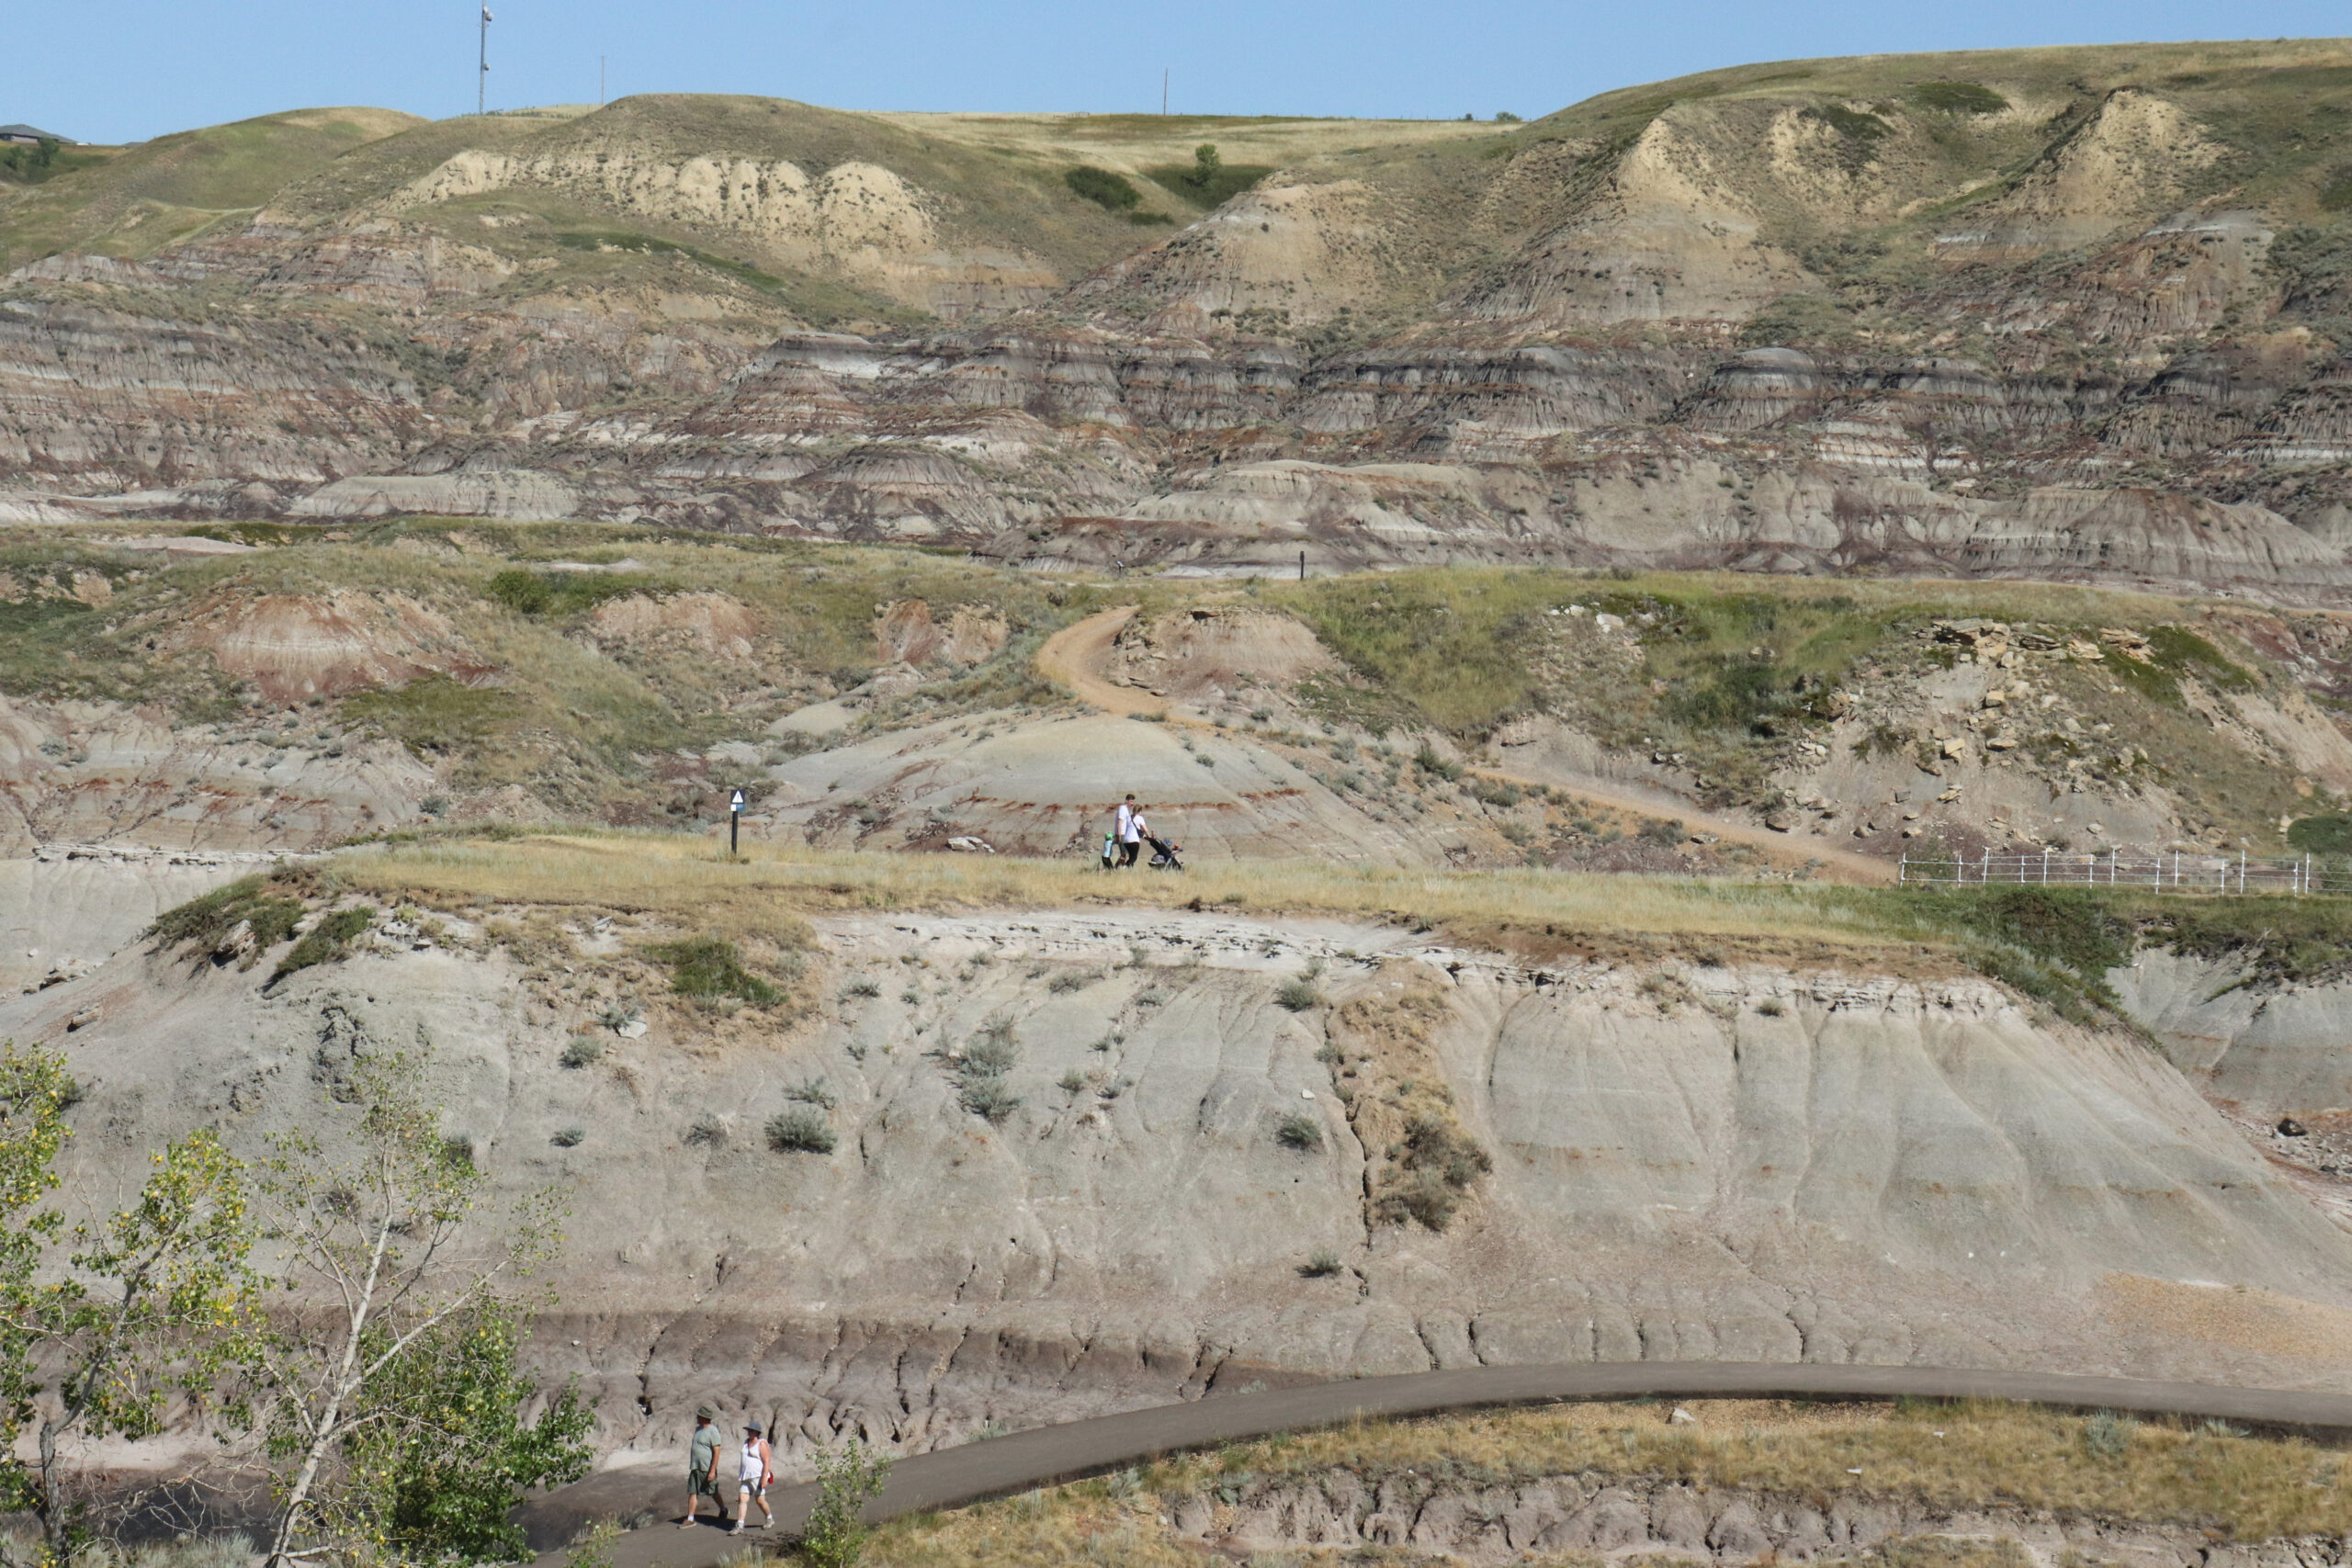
x=988, y=1097
x=1071, y=1082
x=848, y=1478
x=800, y=1130
x=2108, y=1435
x=1322, y=1265
x=1298, y=995
x=1429, y=761
x=1664, y=831
x=811, y=1091
x=1113, y=193
x=991, y=1051
x=860, y=988
x=569, y=1137
x=1297, y=1130
x=1437, y=1166
x=582, y=1052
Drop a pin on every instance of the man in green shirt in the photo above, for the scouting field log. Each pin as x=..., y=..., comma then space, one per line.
x=702, y=1471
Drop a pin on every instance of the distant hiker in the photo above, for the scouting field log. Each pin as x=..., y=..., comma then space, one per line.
x=1130, y=841
x=702, y=1471
x=756, y=1468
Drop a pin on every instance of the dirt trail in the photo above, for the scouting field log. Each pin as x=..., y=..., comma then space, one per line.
x=1075, y=654
x=1074, y=657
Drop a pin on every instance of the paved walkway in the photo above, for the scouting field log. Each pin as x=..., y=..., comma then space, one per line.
x=1049, y=1454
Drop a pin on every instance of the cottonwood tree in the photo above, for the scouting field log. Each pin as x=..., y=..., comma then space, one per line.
x=152, y=1301
x=34, y=1091
x=386, y=1252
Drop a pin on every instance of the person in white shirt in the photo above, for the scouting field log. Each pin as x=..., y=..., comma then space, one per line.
x=755, y=1468
x=1130, y=838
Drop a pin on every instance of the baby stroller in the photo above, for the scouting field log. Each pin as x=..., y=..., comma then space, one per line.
x=1163, y=854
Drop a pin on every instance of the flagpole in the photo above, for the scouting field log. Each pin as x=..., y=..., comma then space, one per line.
x=481, y=77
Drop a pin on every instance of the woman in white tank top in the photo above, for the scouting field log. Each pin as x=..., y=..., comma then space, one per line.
x=755, y=1468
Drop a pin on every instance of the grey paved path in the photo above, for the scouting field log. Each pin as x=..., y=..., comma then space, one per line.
x=1048, y=1454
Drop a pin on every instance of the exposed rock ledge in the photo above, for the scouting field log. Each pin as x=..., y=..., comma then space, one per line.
x=1618, y=1518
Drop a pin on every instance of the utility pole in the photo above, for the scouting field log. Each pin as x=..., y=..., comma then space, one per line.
x=600, y=81
x=1163, y=89
x=481, y=77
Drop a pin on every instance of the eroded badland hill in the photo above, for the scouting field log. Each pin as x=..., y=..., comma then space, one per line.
x=2070, y=313
x=1711, y=495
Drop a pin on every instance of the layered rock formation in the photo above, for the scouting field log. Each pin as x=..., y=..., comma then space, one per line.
x=1687, y=1161
x=2014, y=314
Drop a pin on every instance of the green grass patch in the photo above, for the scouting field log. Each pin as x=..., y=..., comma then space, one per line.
x=211, y=917
x=438, y=715
x=544, y=594
x=2056, y=945
x=2283, y=941
x=818, y=299
x=1859, y=133
x=711, y=968
x=1113, y=193
x=327, y=941
x=1957, y=97
x=2175, y=652
x=1214, y=187
x=2330, y=835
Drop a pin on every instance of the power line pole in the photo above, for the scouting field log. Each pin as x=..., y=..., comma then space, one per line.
x=481, y=78
x=600, y=81
x=1163, y=89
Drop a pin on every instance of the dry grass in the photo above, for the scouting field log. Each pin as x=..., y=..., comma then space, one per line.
x=690, y=878
x=1949, y=1456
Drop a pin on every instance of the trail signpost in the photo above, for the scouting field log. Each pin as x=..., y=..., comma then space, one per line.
x=734, y=820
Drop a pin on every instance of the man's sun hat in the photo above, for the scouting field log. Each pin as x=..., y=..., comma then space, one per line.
x=702, y=1412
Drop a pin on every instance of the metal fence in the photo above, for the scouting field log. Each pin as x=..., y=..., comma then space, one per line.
x=2176, y=873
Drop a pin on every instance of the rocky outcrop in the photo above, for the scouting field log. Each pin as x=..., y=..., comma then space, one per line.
x=1741, y=1163
x=1614, y=1518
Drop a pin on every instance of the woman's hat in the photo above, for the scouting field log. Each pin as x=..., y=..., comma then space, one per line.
x=752, y=1428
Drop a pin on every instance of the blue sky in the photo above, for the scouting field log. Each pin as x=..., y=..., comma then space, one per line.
x=123, y=70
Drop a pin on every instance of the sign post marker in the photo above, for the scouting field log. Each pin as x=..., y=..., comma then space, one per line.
x=734, y=822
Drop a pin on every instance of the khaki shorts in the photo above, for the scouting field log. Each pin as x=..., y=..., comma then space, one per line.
x=702, y=1483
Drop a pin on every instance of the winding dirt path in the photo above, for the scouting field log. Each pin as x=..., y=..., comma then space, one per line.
x=1049, y=1454
x=1075, y=656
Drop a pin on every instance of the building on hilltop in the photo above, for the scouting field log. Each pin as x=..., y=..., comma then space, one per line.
x=31, y=135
